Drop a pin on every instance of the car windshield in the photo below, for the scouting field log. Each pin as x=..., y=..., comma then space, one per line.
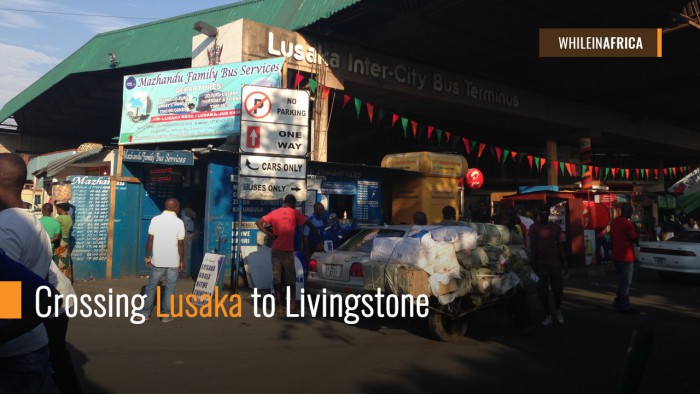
x=362, y=241
x=687, y=236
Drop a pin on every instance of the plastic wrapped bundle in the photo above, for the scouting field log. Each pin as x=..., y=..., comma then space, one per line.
x=462, y=237
x=494, y=253
x=479, y=258
x=383, y=248
x=445, y=260
x=490, y=234
x=373, y=275
x=418, y=252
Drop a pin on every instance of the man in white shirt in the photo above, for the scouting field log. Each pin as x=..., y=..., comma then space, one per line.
x=166, y=235
x=24, y=361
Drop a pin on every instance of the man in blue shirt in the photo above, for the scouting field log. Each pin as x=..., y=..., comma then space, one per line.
x=319, y=224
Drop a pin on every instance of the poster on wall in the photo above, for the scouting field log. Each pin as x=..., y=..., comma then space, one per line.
x=190, y=104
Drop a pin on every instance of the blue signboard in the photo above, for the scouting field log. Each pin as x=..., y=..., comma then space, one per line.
x=191, y=104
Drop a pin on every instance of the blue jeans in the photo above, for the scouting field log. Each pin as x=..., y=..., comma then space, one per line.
x=154, y=276
x=26, y=373
x=624, y=280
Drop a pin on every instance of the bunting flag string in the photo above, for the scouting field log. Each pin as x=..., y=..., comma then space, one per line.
x=501, y=153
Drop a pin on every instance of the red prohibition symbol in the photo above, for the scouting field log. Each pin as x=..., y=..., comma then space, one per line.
x=258, y=105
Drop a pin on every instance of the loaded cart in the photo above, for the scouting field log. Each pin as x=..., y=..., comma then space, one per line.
x=460, y=268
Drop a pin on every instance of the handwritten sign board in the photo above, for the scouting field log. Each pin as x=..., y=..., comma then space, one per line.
x=90, y=201
x=180, y=158
x=207, y=277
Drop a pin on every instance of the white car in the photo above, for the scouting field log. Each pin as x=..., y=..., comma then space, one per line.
x=680, y=254
x=341, y=270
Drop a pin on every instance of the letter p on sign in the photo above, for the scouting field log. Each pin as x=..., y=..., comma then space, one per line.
x=253, y=137
x=11, y=296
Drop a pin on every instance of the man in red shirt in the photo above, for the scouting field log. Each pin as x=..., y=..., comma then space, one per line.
x=623, y=236
x=284, y=221
x=548, y=259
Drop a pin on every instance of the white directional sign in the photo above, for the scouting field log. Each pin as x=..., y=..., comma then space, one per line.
x=252, y=188
x=273, y=105
x=274, y=167
x=272, y=138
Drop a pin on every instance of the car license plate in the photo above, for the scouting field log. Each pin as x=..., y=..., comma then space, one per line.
x=333, y=270
x=660, y=261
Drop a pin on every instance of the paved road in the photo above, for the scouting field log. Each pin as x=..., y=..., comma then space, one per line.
x=314, y=355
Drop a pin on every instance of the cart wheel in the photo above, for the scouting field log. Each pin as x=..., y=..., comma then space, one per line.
x=445, y=327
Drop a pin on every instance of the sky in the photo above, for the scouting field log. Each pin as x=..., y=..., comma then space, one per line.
x=35, y=35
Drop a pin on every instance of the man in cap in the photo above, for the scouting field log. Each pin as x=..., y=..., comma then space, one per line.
x=548, y=259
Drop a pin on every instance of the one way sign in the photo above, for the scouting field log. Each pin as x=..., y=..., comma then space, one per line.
x=277, y=139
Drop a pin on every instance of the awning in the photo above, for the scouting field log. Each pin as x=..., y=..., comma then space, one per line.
x=57, y=166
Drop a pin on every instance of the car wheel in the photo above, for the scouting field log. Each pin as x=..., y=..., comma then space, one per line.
x=666, y=275
x=445, y=326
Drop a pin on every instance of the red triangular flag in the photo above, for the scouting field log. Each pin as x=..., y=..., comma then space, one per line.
x=627, y=173
x=394, y=118
x=529, y=159
x=646, y=170
x=346, y=98
x=498, y=153
x=325, y=91
x=430, y=131
x=466, y=145
x=513, y=155
x=370, y=111
x=614, y=171
x=656, y=173
x=414, y=126
x=542, y=161
x=568, y=168
x=481, y=150
x=297, y=80
x=665, y=171
x=674, y=171
x=447, y=134
x=596, y=170
x=555, y=164
x=636, y=172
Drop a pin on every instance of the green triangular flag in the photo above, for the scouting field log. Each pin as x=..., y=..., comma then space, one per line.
x=474, y=145
x=584, y=167
x=358, y=106
x=439, y=134
x=404, y=123
x=607, y=170
x=537, y=163
x=562, y=167
x=506, y=152
x=312, y=85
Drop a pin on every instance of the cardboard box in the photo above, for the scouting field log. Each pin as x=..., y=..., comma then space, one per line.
x=413, y=281
x=448, y=288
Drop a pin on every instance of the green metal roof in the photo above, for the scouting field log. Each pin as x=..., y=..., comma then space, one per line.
x=171, y=38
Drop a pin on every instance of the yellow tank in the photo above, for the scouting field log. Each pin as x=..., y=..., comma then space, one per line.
x=436, y=187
